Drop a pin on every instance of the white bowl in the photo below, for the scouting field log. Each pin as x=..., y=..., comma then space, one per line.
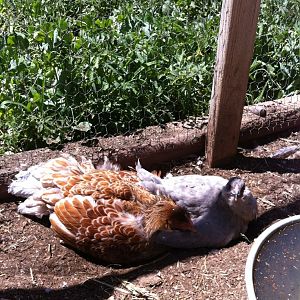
x=259, y=242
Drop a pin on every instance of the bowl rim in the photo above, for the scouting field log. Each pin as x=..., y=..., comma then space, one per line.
x=258, y=243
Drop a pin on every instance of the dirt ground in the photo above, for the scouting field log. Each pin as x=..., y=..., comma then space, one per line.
x=34, y=265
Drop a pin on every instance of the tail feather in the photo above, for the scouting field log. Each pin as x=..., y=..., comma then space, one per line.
x=150, y=181
x=146, y=175
x=27, y=182
x=41, y=183
x=34, y=207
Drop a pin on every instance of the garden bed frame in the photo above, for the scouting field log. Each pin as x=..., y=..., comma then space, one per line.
x=156, y=145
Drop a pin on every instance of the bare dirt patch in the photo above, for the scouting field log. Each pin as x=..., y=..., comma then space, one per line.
x=34, y=265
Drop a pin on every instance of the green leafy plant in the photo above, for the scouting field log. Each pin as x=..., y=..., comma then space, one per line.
x=73, y=70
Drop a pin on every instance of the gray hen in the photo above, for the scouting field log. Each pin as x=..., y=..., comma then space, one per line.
x=221, y=209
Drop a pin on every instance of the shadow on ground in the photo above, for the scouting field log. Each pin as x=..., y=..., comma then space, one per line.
x=266, y=164
x=103, y=287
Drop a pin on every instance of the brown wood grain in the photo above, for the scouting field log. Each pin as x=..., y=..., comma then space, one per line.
x=235, y=49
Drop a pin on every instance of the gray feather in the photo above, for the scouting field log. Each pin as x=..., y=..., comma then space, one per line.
x=220, y=208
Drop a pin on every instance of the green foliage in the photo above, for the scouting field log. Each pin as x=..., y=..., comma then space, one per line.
x=74, y=69
x=275, y=71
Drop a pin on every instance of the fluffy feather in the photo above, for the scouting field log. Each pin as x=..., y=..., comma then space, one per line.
x=101, y=212
x=27, y=182
x=221, y=209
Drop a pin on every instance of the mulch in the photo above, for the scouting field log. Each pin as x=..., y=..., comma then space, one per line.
x=35, y=265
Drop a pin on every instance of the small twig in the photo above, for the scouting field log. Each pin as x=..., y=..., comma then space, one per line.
x=267, y=201
x=31, y=275
x=290, y=141
x=112, y=287
x=138, y=291
x=245, y=238
x=50, y=250
x=131, y=289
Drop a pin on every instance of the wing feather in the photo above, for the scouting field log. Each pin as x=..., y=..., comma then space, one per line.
x=58, y=226
x=65, y=217
x=101, y=228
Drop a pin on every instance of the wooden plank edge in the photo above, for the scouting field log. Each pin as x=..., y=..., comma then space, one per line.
x=253, y=127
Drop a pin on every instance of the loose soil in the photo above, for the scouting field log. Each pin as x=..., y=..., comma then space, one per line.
x=34, y=265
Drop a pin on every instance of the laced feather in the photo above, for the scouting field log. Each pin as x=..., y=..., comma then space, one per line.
x=41, y=184
x=104, y=213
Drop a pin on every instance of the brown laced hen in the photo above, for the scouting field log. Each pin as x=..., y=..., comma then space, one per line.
x=104, y=213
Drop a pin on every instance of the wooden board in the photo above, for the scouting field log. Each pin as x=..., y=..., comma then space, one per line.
x=235, y=49
x=174, y=142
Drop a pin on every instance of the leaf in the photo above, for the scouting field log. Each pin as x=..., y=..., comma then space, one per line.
x=68, y=37
x=11, y=40
x=78, y=43
x=83, y=126
x=270, y=69
x=112, y=68
x=104, y=23
x=63, y=24
x=4, y=104
x=39, y=36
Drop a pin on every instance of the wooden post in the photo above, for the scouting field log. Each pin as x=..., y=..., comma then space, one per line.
x=235, y=49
